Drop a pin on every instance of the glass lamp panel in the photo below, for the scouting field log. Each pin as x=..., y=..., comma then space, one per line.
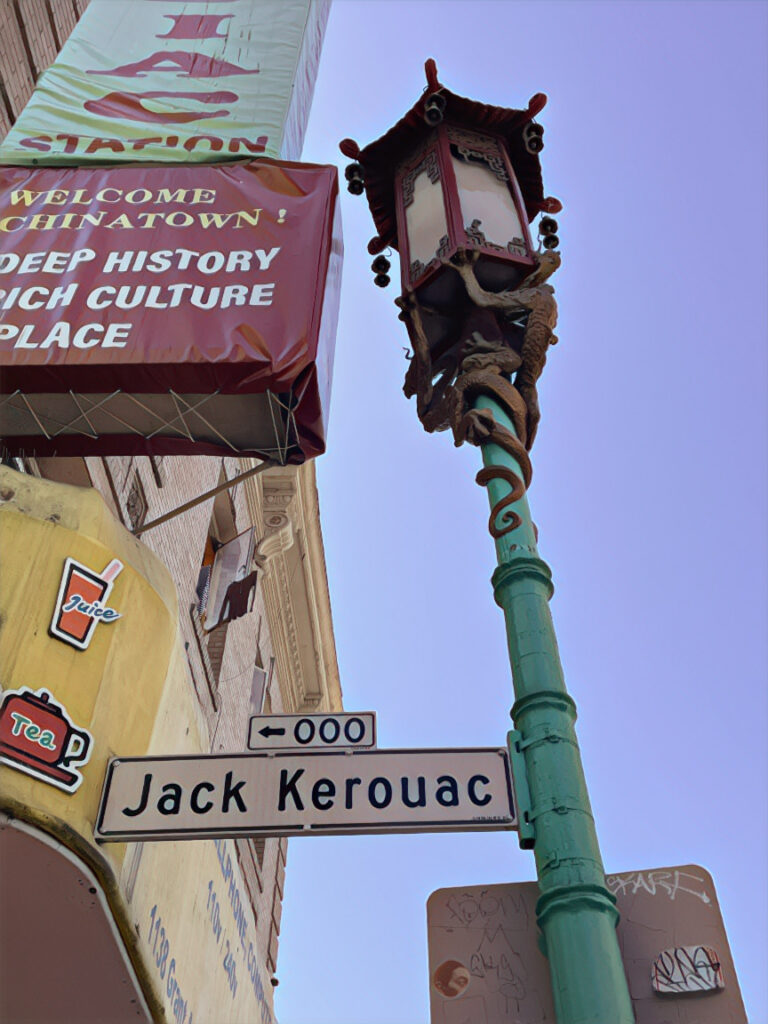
x=486, y=198
x=425, y=219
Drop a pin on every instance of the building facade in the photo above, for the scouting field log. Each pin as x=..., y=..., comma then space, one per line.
x=170, y=931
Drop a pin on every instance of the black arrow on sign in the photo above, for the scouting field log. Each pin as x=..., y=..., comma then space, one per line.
x=268, y=731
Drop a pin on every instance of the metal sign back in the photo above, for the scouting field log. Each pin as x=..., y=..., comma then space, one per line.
x=306, y=793
x=486, y=967
x=324, y=732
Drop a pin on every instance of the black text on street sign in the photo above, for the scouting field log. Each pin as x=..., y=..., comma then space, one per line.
x=306, y=793
x=275, y=732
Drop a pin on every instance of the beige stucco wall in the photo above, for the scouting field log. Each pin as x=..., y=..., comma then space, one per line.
x=200, y=924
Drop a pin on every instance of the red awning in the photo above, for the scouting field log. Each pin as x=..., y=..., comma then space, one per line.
x=168, y=309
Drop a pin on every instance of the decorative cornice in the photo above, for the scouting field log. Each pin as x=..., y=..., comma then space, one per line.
x=295, y=586
x=277, y=538
x=288, y=628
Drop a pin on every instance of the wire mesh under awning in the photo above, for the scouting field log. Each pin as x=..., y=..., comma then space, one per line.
x=122, y=423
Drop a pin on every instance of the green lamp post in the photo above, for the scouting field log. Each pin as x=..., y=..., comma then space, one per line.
x=453, y=187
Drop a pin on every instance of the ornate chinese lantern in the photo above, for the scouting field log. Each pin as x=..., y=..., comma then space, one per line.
x=452, y=187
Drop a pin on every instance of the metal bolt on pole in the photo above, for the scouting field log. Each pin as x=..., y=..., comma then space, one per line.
x=576, y=912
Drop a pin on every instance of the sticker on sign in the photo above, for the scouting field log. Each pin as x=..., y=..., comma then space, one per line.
x=332, y=792
x=274, y=732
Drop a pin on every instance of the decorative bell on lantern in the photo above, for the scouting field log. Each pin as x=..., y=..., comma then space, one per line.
x=355, y=179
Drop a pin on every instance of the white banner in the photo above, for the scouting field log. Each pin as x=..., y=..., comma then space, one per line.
x=173, y=81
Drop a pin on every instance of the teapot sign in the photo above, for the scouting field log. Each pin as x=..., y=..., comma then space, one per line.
x=38, y=737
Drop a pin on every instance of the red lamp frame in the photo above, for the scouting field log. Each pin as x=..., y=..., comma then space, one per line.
x=491, y=149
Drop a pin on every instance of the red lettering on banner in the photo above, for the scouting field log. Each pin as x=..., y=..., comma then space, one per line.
x=70, y=142
x=38, y=142
x=85, y=144
x=111, y=144
x=236, y=143
x=139, y=107
x=186, y=65
x=216, y=143
x=195, y=26
x=129, y=107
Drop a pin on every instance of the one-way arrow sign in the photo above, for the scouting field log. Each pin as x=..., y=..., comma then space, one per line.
x=323, y=732
x=268, y=731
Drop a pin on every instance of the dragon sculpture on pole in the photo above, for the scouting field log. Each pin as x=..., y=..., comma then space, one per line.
x=480, y=366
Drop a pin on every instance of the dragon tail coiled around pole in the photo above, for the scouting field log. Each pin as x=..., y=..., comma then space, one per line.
x=510, y=518
x=507, y=441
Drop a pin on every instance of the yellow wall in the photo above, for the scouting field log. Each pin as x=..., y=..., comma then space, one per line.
x=131, y=691
x=114, y=688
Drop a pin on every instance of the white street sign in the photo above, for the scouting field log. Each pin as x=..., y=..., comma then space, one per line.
x=306, y=793
x=329, y=731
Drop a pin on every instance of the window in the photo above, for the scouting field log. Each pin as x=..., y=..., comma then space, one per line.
x=69, y=470
x=216, y=640
x=258, y=846
x=251, y=876
x=211, y=674
x=136, y=503
x=211, y=643
x=13, y=462
x=63, y=470
x=259, y=686
x=132, y=860
x=156, y=463
x=204, y=576
x=277, y=905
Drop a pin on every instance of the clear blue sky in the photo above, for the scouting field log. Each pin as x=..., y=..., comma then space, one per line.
x=649, y=482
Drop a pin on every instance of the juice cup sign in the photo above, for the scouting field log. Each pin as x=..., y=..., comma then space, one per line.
x=82, y=602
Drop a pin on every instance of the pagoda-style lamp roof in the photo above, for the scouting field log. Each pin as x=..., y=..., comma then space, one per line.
x=380, y=158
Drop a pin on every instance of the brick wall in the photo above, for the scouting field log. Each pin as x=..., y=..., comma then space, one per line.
x=31, y=34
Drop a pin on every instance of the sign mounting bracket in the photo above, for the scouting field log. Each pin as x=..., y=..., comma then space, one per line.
x=526, y=831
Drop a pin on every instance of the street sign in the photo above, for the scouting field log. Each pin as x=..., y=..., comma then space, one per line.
x=275, y=732
x=486, y=965
x=306, y=793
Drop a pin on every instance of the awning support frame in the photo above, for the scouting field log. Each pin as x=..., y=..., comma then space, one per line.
x=253, y=471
